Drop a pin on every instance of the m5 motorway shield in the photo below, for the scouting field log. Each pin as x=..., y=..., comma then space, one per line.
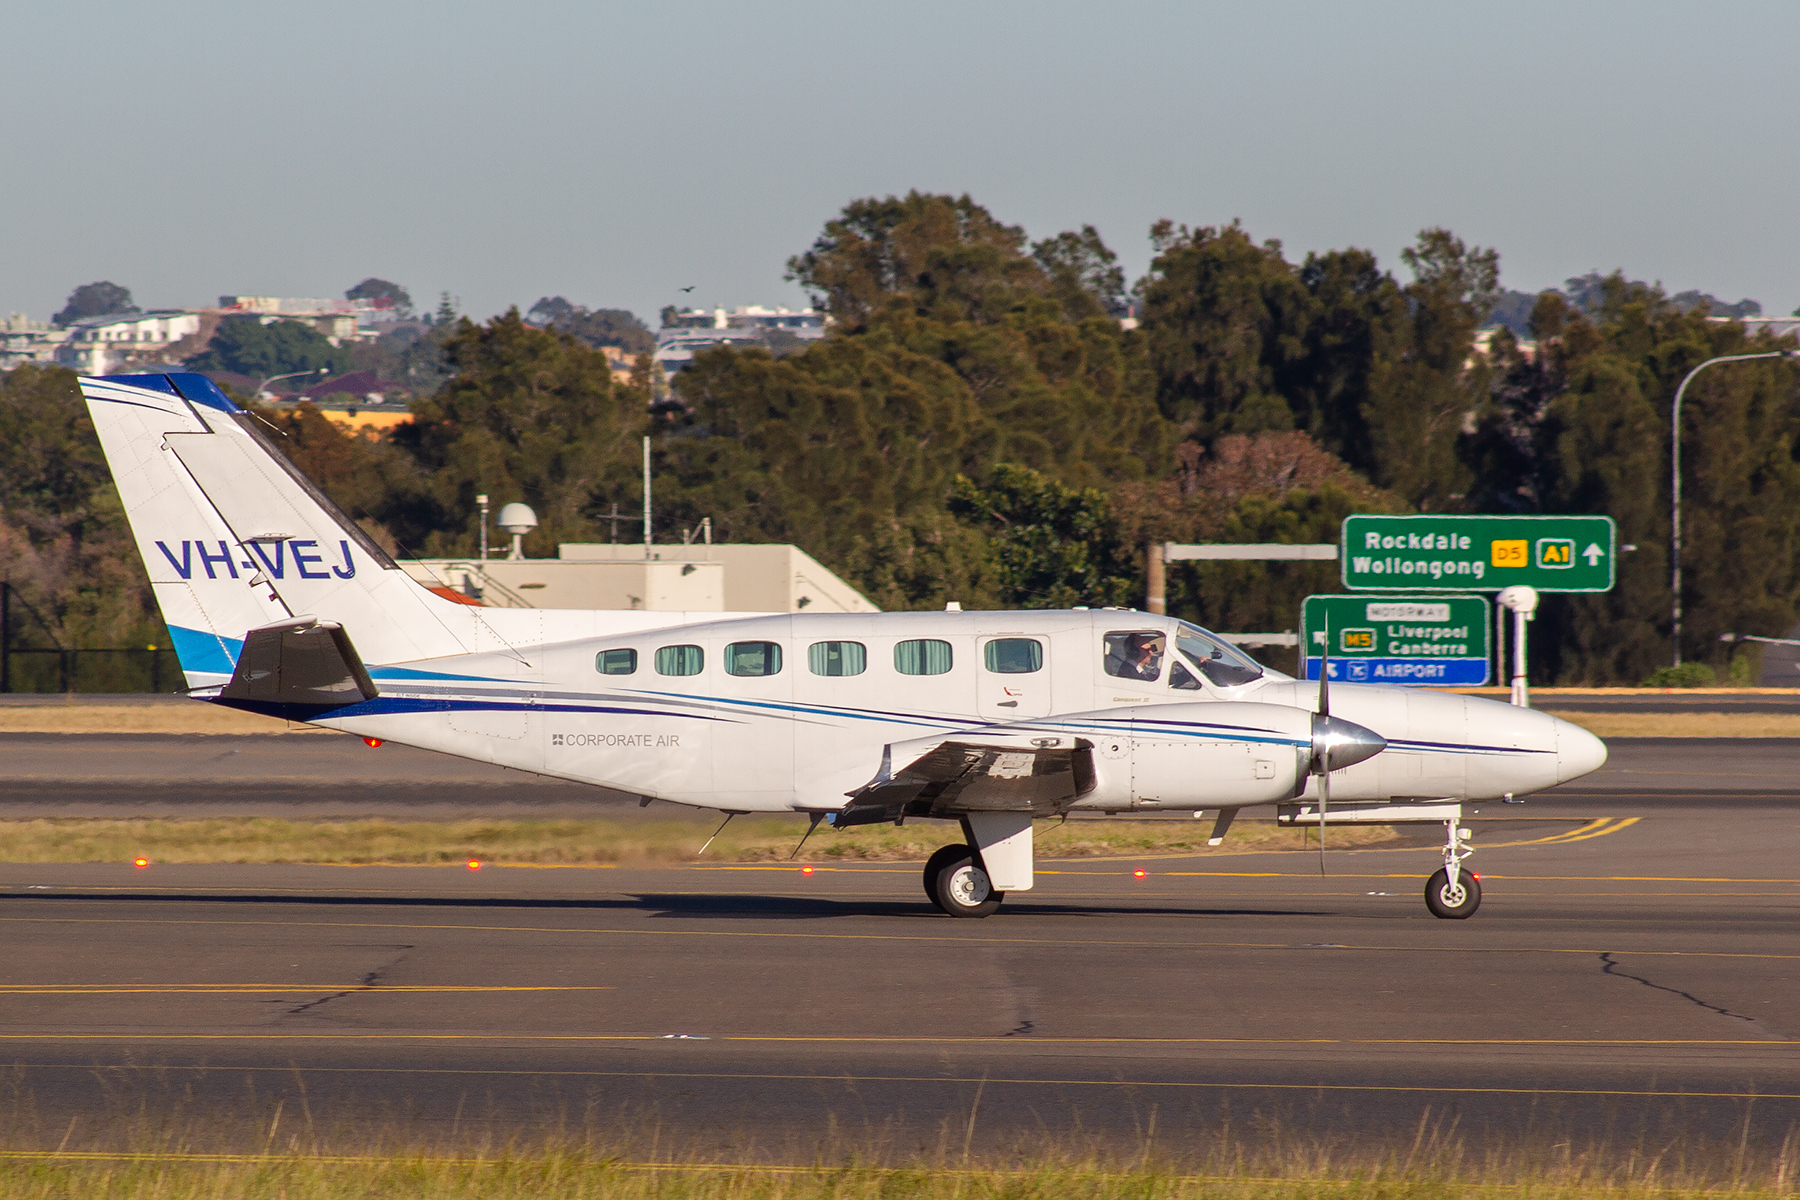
x=1433, y=640
x=1478, y=554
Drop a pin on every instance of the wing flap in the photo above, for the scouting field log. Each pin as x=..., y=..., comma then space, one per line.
x=964, y=776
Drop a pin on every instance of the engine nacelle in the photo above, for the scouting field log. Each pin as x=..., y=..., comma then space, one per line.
x=1212, y=755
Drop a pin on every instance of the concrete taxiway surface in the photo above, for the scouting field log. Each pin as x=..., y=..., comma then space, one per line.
x=1631, y=977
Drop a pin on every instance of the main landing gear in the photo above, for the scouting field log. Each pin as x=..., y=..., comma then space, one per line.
x=1453, y=892
x=957, y=882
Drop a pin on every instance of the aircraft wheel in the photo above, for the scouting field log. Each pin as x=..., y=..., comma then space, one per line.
x=1453, y=904
x=940, y=858
x=960, y=887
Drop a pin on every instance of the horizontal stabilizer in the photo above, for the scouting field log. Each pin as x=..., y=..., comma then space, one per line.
x=958, y=777
x=298, y=668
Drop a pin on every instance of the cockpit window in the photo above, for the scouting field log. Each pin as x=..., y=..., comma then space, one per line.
x=1182, y=679
x=1135, y=654
x=1222, y=663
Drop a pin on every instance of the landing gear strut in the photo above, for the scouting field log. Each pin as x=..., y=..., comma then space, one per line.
x=1454, y=893
x=958, y=884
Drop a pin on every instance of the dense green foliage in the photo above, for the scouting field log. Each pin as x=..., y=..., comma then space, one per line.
x=596, y=326
x=982, y=426
x=246, y=346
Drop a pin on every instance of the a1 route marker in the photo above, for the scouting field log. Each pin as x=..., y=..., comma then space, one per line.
x=1478, y=554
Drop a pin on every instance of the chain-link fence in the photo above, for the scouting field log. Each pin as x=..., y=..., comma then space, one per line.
x=36, y=667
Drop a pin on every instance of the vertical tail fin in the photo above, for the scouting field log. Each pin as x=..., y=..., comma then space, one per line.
x=235, y=538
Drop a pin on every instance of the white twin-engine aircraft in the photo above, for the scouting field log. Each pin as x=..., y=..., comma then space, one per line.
x=277, y=603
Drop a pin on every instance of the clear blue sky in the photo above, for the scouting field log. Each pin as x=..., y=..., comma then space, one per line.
x=615, y=154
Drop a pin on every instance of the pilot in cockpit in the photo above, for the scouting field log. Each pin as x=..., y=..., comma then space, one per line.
x=1134, y=655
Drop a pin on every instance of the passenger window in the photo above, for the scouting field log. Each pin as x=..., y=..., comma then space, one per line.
x=753, y=658
x=922, y=656
x=1013, y=656
x=1182, y=679
x=837, y=658
x=1135, y=654
x=680, y=660
x=616, y=662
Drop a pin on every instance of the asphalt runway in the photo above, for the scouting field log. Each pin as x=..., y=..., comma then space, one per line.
x=1628, y=982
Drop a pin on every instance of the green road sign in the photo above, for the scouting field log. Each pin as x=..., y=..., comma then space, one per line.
x=1478, y=554
x=1435, y=640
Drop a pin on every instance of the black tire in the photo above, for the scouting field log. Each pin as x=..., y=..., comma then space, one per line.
x=934, y=866
x=1453, y=906
x=960, y=888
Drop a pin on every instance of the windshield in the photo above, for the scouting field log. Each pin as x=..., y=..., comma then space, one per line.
x=1221, y=662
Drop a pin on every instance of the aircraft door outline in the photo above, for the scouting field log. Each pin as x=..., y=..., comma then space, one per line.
x=1014, y=677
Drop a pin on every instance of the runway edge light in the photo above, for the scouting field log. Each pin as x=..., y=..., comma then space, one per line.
x=140, y=862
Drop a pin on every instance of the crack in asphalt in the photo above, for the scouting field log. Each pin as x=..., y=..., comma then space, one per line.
x=1609, y=967
x=1022, y=1029
x=369, y=980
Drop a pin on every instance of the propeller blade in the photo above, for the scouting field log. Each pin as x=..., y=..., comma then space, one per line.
x=1324, y=799
x=1325, y=673
x=1325, y=757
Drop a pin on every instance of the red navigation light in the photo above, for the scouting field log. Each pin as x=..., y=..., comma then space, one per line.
x=140, y=863
x=1139, y=873
x=806, y=870
x=371, y=742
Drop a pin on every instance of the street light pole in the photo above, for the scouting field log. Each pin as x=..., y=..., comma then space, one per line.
x=290, y=375
x=1675, y=481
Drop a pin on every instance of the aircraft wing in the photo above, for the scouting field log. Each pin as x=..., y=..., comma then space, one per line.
x=971, y=775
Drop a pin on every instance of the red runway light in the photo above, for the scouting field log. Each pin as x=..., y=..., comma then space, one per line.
x=140, y=863
x=474, y=864
x=1139, y=873
x=371, y=742
x=806, y=870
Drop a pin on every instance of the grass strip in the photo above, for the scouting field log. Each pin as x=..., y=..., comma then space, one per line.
x=598, y=840
x=54, y=1175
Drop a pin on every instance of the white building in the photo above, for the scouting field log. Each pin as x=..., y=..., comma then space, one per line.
x=694, y=329
x=96, y=345
x=735, y=577
x=23, y=340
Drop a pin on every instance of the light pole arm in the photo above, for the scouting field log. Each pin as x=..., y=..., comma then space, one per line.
x=1675, y=485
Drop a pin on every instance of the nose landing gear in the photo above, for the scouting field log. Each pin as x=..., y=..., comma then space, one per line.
x=1453, y=893
x=958, y=884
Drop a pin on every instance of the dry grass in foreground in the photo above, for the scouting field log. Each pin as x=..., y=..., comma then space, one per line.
x=1446, y=1171
x=188, y=716
x=746, y=839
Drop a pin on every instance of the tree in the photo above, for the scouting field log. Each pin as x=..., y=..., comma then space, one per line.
x=1084, y=274
x=1220, y=314
x=530, y=415
x=248, y=347
x=1051, y=544
x=380, y=289
x=64, y=542
x=95, y=300
x=597, y=327
x=919, y=247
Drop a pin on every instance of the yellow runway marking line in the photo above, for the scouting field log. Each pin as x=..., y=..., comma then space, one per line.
x=965, y=939
x=795, y=1077
x=261, y=989
x=919, y=1040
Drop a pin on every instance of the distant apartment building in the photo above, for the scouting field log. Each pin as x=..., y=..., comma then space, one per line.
x=23, y=340
x=691, y=330
x=339, y=320
x=97, y=345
